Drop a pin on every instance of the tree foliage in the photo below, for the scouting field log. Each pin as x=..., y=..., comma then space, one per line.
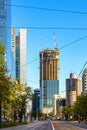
x=23, y=99
x=2, y=53
x=67, y=112
x=13, y=96
x=5, y=82
x=80, y=106
x=22, y=95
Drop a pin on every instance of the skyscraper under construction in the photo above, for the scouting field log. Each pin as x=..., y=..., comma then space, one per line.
x=49, y=78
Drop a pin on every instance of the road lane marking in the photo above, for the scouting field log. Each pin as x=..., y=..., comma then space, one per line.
x=52, y=126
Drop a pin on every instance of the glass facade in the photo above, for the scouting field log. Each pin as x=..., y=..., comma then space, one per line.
x=5, y=34
x=48, y=89
x=36, y=102
x=61, y=102
x=3, y=21
x=17, y=57
x=19, y=54
x=49, y=78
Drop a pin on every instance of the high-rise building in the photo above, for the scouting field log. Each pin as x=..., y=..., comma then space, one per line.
x=73, y=89
x=23, y=50
x=13, y=42
x=5, y=34
x=36, y=102
x=17, y=57
x=84, y=81
x=49, y=78
x=19, y=53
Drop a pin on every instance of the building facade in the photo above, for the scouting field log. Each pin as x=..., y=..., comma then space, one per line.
x=17, y=57
x=36, y=102
x=84, y=81
x=49, y=78
x=13, y=42
x=55, y=98
x=19, y=53
x=23, y=50
x=60, y=104
x=5, y=34
x=73, y=89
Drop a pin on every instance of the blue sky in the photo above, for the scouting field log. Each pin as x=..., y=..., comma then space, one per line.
x=71, y=58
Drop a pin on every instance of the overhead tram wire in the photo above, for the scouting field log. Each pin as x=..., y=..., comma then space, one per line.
x=80, y=72
x=60, y=49
x=50, y=28
x=62, y=90
x=46, y=9
x=29, y=62
x=75, y=41
x=82, y=69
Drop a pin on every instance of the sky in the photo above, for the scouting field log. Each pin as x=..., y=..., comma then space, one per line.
x=68, y=19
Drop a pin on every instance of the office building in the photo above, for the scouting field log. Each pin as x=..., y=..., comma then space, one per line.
x=13, y=42
x=36, y=101
x=58, y=105
x=23, y=50
x=84, y=81
x=19, y=53
x=5, y=34
x=73, y=89
x=49, y=78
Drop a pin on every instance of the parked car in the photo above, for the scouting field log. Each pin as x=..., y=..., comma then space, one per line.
x=4, y=120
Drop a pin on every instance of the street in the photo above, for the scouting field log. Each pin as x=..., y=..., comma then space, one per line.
x=45, y=125
x=58, y=125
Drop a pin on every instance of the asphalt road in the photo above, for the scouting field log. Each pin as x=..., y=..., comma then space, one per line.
x=45, y=125
x=65, y=126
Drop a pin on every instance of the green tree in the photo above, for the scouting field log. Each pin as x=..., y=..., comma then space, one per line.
x=23, y=99
x=5, y=81
x=40, y=115
x=17, y=89
x=80, y=106
x=67, y=112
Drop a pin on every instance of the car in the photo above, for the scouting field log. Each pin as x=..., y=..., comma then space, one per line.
x=4, y=120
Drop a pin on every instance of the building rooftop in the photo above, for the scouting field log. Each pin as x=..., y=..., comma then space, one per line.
x=73, y=75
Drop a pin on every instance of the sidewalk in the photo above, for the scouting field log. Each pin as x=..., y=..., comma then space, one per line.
x=16, y=127
x=75, y=123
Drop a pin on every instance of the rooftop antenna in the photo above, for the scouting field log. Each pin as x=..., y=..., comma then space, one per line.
x=55, y=42
x=42, y=42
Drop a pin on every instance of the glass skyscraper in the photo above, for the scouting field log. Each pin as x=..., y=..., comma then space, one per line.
x=19, y=54
x=49, y=79
x=5, y=34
